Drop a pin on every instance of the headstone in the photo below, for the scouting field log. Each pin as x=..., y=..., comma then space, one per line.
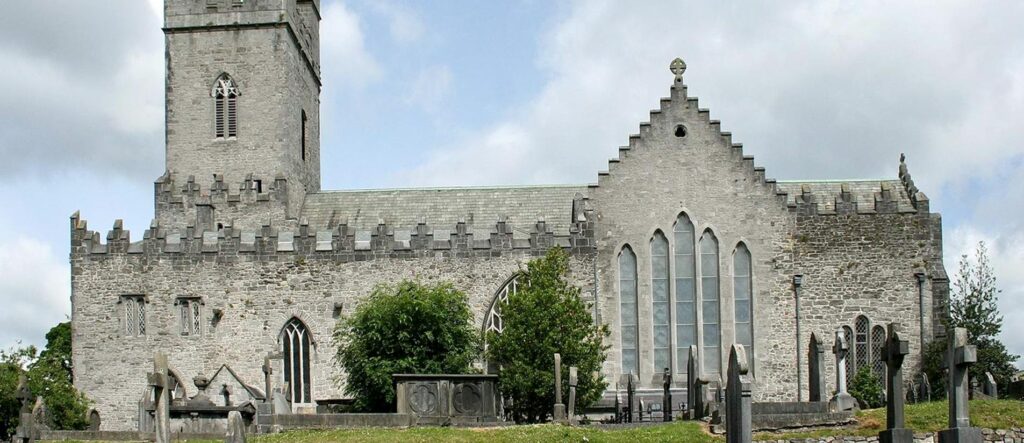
x=691, y=384
x=666, y=399
x=618, y=410
x=990, y=388
x=559, y=412
x=816, y=369
x=924, y=388
x=738, y=414
x=236, y=428
x=26, y=431
x=268, y=372
x=40, y=415
x=640, y=410
x=630, y=391
x=959, y=357
x=842, y=401
x=893, y=353
x=158, y=380
x=573, y=380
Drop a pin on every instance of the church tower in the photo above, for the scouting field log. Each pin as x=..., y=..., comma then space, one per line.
x=242, y=110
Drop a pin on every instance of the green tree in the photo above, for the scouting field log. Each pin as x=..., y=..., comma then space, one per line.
x=973, y=306
x=546, y=316
x=408, y=328
x=50, y=376
x=867, y=387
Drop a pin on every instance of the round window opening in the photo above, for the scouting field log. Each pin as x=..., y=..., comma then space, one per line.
x=680, y=131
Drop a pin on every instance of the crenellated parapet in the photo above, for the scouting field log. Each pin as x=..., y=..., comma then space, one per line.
x=246, y=204
x=340, y=242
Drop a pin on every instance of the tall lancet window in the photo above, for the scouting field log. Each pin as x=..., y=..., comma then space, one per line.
x=296, y=346
x=710, y=303
x=660, y=302
x=628, y=312
x=742, y=284
x=686, y=308
x=225, y=107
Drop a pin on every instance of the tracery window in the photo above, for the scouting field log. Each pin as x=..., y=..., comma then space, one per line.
x=877, y=342
x=628, y=311
x=660, y=302
x=743, y=296
x=134, y=315
x=495, y=321
x=686, y=287
x=225, y=103
x=296, y=346
x=710, y=303
x=190, y=316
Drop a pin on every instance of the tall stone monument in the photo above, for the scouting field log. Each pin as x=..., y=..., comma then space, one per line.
x=666, y=399
x=573, y=382
x=158, y=380
x=738, y=412
x=559, y=411
x=893, y=353
x=959, y=357
x=842, y=401
x=692, y=375
x=816, y=369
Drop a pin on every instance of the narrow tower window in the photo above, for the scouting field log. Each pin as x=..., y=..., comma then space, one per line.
x=710, y=303
x=225, y=104
x=743, y=295
x=303, y=135
x=686, y=311
x=295, y=342
x=628, y=312
x=134, y=315
x=190, y=315
x=660, y=302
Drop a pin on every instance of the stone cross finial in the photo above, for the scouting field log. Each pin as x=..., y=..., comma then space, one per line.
x=959, y=356
x=678, y=67
x=842, y=401
x=738, y=415
x=893, y=353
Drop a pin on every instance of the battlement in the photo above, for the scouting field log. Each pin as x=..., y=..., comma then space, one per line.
x=341, y=242
x=246, y=204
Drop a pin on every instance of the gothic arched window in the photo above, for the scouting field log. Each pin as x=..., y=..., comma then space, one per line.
x=628, y=311
x=686, y=310
x=861, y=327
x=660, y=302
x=710, y=303
x=877, y=342
x=744, y=299
x=225, y=107
x=296, y=349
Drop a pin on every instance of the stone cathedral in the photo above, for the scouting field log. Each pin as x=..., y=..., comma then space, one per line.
x=682, y=241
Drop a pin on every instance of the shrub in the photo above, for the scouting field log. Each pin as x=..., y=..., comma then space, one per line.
x=408, y=328
x=546, y=316
x=867, y=387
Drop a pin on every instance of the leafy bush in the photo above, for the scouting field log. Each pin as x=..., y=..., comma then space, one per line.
x=408, y=328
x=867, y=387
x=546, y=316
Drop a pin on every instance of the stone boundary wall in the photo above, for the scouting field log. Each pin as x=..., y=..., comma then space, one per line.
x=1013, y=435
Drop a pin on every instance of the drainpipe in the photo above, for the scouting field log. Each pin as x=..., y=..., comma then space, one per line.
x=798, y=280
x=920, y=302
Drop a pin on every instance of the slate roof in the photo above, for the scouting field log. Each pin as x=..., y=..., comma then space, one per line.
x=863, y=191
x=442, y=208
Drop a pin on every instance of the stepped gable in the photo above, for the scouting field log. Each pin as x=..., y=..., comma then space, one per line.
x=658, y=118
x=444, y=208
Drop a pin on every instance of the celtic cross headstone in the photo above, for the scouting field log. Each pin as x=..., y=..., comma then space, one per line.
x=959, y=357
x=893, y=353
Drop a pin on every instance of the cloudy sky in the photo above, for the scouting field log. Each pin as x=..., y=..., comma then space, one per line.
x=528, y=92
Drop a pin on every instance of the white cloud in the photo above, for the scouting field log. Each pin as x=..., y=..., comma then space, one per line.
x=430, y=88
x=34, y=291
x=343, y=49
x=404, y=25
